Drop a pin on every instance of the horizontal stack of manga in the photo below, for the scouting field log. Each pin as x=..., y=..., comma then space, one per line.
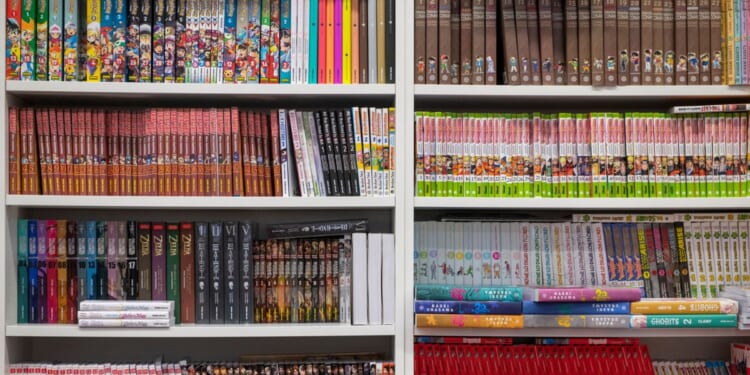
x=692, y=367
x=580, y=42
x=126, y=314
x=216, y=272
x=583, y=155
x=485, y=356
x=578, y=307
x=202, y=152
x=202, y=41
x=468, y=307
x=323, y=366
x=684, y=313
x=741, y=294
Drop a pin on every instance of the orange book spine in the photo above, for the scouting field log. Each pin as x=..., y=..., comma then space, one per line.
x=78, y=153
x=102, y=159
x=174, y=160
x=276, y=154
x=204, y=152
x=236, y=163
x=14, y=156
x=214, y=132
x=110, y=134
x=152, y=146
x=192, y=183
x=468, y=321
x=161, y=134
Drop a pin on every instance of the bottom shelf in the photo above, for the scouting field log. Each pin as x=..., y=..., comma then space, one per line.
x=583, y=332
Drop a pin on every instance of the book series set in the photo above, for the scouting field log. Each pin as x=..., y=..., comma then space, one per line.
x=580, y=42
x=202, y=41
x=210, y=272
x=202, y=152
x=582, y=155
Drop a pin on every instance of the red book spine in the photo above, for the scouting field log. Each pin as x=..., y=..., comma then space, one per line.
x=245, y=141
x=202, y=154
x=153, y=148
x=88, y=132
x=14, y=170
x=236, y=174
x=266, y=142
x=75, y=142
x=174, y=149
x=69, y=153
x=187, y=273
x=322, y=9
x=225, y=151
x=42, y=140
x=254, y=153
x=181, y=122
x=54, y=151
x=109, y=138
x=276, y=153
x=51, y=271
x=258, y=136
x=101, y=160
x=193, y=143
x=161, y=132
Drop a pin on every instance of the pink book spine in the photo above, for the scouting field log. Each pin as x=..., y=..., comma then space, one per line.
x=582, y=294
x=52, y=271
x=337, y=41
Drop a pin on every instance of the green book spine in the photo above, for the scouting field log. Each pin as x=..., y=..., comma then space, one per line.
x=28, y=40
x=441, y=129
x=584, y=155
x=313, y=47
x=42, y=16
x=527, y=169
x=573, y=160
x=23, y=274
x=539, y=122
x=173, y=267
x=454, y=293
x=684, y=321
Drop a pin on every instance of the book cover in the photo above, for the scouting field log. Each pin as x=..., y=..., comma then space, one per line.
x=684, y=321
x=576, y=308
x=468, y=321
x=576, y=321
x=467, y=307
x=202, y=273
x=456, y=293
x=574, y=294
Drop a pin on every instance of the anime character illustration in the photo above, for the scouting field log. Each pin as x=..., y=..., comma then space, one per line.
x=682, y=63
x=535, y=66
x=444, y=63
x=716, y=61
x=693, y=61
x=490, y=64
x=431, y=65
x=547, y=65
x=647, y=56
x=624, y=60
x=479, y=64
x=635, y=60
x=658, y=62
x=610, y=63
x=705, y=61
x=513, y=64
x=524, y=64
x=598, y=64
x=574, y=64
x=586, y=67
x=13, y=46
x=420, y=65
x=669, y=62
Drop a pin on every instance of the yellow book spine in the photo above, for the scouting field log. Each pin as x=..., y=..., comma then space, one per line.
x=468, y=321
x=347, y=42
x=659, y=307
x=93, y=49
x=329, y=41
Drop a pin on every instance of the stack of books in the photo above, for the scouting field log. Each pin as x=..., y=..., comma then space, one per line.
x=468, y=307
x=578, y=307
x=126, y=314
x=684, y=313
x=692, y=367
x=742, y=296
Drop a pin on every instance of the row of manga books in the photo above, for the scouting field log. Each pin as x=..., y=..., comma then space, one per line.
x=322, y=366
x=204, y=152
x=668, y=257
x=598, y=155
x=694, y=367
x=215, y=272
x=201, y=41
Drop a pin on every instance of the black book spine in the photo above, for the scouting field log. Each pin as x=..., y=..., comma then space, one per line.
x=325, y=155
x=231, y=286
x=349, y=129
x=330, y=127
x=144, y=261
x=246, y=271
x=344, y=146
x=132, y=261
x=72, y=265
x=101, y=260
x=216, y=312
x=201, y=273
x=390, y=41
x=81, y=254
x=317, y=229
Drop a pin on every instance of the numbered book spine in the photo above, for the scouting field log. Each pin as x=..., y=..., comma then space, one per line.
x=657, y=306
x=91, y=278
x=576, y=321
x=133, y=48
x=72, y=270
x=93, y=45
x=451, y=293
x=587, y=308
x=245, y=272
x=217, y=274
x=13, y=40
x=56, y=34
x=28, y=39
x=172, y=250
x=102, y=275
x=684, y=321
x=145, y=16
x=231, y=274
x=465, y=307
x=229, y=55
x=581, y=294
x=468, y=321
x=202, y=273
x=42, y=31
x=106, y=39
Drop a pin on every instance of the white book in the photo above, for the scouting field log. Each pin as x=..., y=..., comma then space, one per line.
x=293, y=45
x=437, y=255
x=465, y=271
x=389, y=278
x=600, y=254
x=284, y=155
x=535, y=255
x=486, y=259
x=311, y=128
x=125, y=323
x=128, y=314
x=506, y=254
x=304, y=41
x=708, y=266
x=496, y=255
x=520, y=245
x=359, y=279
x=90, y=305
x=305, y=187
x=744, y=250
x=374, y=269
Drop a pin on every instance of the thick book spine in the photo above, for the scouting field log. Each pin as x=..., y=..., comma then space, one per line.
x=465, y=307
x=597, y=42
x=126, y=323
x=52, y=302
x=33, y=278
x=144, y=261
x=132, y=261
x=245, y=261
x=468, y=321
x=92, y=292
x=23, y=269
x=144, y=314
x=660, y=306
x=187, y=273
x=510, y=49
x=72, y=270
x=593, y=308
x=684, y=321
x=349, y=184
x=127, y=306
x=102, y=274
x=576, y=321
x=420, y=35
x=451, y=293
x=318, y=229
x=581, y=294
x=231, y=277
x=202, y=273
x=173, y=267
x=216, y=262
x=352, y=151
x=41, y=270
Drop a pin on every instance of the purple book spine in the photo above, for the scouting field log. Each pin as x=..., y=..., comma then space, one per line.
x=584, y=294
x=158, y=263
x=337, y=43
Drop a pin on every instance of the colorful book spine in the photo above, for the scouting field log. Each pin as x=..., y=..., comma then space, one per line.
x=312, y=48
x=581, y=294
x=466, y=307
x=229, y=54
x=254, y=30
x=145, y=14
x=55, y=50
x=576, y=321
x=273, y=43
x=106, y=39
x=337, y=41
x=285, y=42
x=28, y=40
x=594, y=308
x=132, y=46
x=173, y=266
x=13, y=40
x=23, y=269
x=93, y=43
x=455, y=293
x=42, y=32
x=468, y=321
x=656, y=306
x=684, y=321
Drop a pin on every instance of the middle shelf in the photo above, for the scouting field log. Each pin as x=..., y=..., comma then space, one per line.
x=591, y=204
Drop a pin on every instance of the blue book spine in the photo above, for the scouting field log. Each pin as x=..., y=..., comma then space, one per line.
x=91, y=260
x=23, y=276
x=33, y=280
x=312, y=75
x=456, y=293
x=81, y=258
x=41, y=271
x=285, y=43
x=573, y=308
x=466, y=307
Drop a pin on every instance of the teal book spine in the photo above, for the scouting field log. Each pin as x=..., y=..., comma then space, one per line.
x=313, y=40
x=23, y=276
x=454, y=293
x=684, y=321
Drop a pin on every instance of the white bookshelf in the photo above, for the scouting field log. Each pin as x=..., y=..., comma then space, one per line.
x=584, y=332
x=639, y=93
x=584, y=204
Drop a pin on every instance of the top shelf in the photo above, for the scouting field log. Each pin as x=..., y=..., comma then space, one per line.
x=196, y=91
